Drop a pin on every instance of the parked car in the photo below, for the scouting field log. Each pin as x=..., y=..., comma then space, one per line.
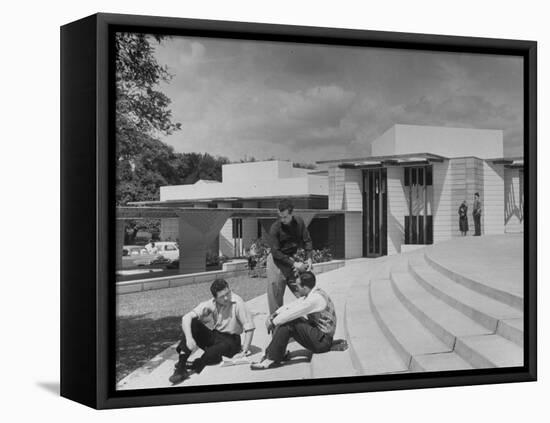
x=168, y=250
x=133, y=250
x=166, y=253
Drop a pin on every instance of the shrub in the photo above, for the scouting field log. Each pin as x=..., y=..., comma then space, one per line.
x=317, y=256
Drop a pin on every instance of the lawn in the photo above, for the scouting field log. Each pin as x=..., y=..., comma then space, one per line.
x=149, y=322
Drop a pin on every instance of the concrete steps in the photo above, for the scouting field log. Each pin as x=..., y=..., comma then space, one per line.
x=371, y=351
x=507, y=297
x=418, y=347
x=444, y=322
x=423, y=319
x=485, y=310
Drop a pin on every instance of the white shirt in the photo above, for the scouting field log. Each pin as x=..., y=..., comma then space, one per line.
x=313, y=303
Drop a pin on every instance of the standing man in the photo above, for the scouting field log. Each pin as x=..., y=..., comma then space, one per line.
x=477, y=214
x=310, y=320
x=287, y=234
x=231, y=317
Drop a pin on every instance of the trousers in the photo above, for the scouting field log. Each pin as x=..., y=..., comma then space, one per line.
x=477, y=224
x=276, y=284
x=214, y=344
x=303, y=332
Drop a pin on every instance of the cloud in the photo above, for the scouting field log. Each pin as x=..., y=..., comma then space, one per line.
x=306, y=101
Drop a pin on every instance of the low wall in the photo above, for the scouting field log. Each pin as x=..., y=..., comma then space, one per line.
x=193, y=278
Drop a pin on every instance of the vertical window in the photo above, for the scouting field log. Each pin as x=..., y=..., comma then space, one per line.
x=237, y=228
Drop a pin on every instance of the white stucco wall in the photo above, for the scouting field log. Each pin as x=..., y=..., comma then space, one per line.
x=443, y=212
x=444, y=141
x=353, y=225
x=169, y=229
x=335, y=188
x=345, y=189
x=493, y=199
x=249, y=180
x=397, y=209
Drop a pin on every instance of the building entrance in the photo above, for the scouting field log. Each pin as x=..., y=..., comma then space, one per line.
x=375, y=240
x=418, y=224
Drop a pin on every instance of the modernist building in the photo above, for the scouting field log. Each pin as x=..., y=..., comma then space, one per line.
x=406, y=193
x=410, y=188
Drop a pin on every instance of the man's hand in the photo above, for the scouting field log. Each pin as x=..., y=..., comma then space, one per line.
x=269, y=324
x=191, y=344
x=299, y=267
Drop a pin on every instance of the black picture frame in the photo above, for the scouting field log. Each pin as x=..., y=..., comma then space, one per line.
x=88, y=215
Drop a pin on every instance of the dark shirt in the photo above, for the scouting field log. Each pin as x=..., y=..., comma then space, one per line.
x=477, y=208
x=285, y=241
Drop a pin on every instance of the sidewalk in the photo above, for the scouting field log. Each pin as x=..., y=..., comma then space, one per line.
x=336, y=283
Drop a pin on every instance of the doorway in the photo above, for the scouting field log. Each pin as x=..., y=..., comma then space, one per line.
x=375, y=240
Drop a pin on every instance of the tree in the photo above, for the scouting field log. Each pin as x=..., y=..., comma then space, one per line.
x=142, y=112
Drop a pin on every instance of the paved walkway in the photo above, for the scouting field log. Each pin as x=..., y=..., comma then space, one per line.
x=496, y=261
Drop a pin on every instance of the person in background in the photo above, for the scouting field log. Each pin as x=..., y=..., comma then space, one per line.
x=231, y=318
x=477, y=214
x=463, y=218
x=286, y=235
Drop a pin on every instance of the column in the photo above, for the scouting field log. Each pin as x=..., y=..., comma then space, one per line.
x=197, y=229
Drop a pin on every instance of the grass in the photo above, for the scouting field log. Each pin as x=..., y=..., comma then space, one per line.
x=149, y=322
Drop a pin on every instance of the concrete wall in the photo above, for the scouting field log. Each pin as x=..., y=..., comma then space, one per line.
x=345, y=189
x=250, y=227
x=335, y=188
x=195, y=278
x=226, y=243
x=397, y=209
x=443, y=210
x=169, y=229
x=247, y=180
x=444, y=141
x=513, y=193
x=493, y=199
x=385, y=144
x=353, y=227
x=260, y=171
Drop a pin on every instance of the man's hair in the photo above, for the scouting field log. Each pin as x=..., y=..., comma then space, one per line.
x=307, y=279
x=476, y=194
x=217, y=286
x=285, y=204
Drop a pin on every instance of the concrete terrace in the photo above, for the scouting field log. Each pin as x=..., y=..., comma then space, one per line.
x=454, y=305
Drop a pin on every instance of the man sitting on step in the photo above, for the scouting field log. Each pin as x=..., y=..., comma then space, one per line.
x=310, y=320
x=231, y=317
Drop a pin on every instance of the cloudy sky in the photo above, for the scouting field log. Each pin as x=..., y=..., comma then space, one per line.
x=314, y=102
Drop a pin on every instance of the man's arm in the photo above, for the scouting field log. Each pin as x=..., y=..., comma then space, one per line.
x=248, y=335
x=299, y=308
x=186, y=326
x=245, y=318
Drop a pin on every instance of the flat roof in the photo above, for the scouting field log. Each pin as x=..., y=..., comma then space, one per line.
x=182, y=202
x=377, y=160
x=171, y=212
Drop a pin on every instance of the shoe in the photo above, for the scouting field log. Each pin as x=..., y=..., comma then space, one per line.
x=264, y=364
x=179, y=375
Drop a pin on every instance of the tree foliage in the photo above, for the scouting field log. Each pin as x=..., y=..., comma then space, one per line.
x=143, y=162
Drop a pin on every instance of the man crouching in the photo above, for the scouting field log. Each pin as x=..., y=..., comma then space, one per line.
x=314, y=333
x=230, y=317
